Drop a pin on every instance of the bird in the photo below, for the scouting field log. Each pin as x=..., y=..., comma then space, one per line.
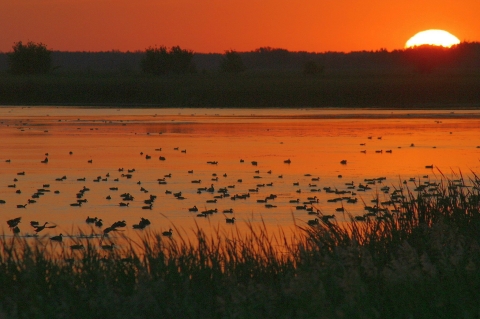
x=40, y=228
x=77, y=247
x=326, y=218
x=91, y=220
x=108, y=229
x=144, y=221
x=167, y=233
x=230, y=220
x=57, y=238
x=119, y=224
x=138, y=226
x=14, y=222
x=108, y=247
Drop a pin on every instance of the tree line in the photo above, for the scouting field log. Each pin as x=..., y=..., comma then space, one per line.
x=36, y=58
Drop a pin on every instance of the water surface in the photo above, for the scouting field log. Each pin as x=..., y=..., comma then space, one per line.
x=395, y=145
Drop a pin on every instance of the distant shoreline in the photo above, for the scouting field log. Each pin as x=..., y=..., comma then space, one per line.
x=249, y=90
x=179, y=115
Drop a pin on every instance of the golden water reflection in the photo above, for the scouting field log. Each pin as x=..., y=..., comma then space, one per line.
x=373, y=143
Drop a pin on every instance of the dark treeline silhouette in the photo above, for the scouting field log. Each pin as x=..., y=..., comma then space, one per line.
x=29, y=58
x=232, y=62
x=158, y=61
x=420, y=77
x=422, y=59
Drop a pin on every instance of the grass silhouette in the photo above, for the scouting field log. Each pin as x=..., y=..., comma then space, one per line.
x=416, y=256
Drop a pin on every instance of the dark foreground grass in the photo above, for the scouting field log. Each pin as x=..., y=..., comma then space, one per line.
x=250, y=89
x=414, y=256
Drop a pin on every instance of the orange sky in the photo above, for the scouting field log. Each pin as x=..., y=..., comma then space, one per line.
x=242, y=25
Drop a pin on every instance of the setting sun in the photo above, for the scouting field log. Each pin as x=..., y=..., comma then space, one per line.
x=432, y=37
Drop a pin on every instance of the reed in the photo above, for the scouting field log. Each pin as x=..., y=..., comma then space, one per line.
x=414, y=256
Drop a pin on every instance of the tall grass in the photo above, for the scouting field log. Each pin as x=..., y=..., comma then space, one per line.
x=415, y=256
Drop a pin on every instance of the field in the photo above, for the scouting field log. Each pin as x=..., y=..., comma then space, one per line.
x=444, y=88
x=419, y=260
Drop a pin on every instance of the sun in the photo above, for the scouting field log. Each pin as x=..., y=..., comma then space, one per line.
x=432, y=37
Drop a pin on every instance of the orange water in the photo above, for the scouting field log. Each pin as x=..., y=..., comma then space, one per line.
x=314, y=140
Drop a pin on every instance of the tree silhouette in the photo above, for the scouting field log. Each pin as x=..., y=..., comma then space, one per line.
x=181, y=60
x=155, y=61
x=427, y=58
x=30, y=58
x=232, y=62
x=312, y=68
x=159, y=61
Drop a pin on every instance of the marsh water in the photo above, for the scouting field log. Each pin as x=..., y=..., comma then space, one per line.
x=203, y=148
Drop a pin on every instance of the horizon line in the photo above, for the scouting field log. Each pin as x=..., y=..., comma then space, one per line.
x=251, y=51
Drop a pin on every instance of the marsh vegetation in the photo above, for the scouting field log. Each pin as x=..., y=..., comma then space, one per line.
x=246, y=89
x=417, y=258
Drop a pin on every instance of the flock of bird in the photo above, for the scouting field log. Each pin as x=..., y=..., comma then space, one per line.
x=310, y=204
